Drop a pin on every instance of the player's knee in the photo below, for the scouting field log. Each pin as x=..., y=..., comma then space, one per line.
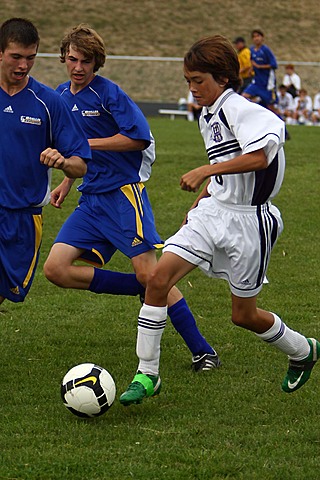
x=142, y=277
x=158, y=282
x=54, y=272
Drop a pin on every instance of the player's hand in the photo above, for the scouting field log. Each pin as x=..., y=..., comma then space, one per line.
x=57, y=198
x=52, y=158
x=60, y=192
x=193, y=180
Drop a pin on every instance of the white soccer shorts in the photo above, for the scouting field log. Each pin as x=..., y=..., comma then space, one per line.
x=229, y=242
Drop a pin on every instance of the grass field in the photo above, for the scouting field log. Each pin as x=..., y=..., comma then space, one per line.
x=233, y=423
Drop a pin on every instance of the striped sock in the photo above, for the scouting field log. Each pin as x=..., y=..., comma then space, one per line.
x=151, y=323
x=288, y=341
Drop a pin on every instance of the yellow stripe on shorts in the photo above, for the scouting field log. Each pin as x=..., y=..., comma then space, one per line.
x=37, y=219
x=133, y=194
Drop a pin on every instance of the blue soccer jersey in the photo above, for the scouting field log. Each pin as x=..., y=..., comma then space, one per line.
x=103, y=110
x=34, y=119
x=264, y=77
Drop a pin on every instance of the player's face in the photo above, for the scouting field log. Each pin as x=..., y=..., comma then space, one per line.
x=257, y=39
x=80, y=69
x=16, y=62
x=203, y=87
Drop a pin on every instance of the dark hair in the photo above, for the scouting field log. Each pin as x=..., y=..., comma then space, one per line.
x=18, y=30
x=86, y=41
x=258, y=31
x=239, y=39
x=217, y=56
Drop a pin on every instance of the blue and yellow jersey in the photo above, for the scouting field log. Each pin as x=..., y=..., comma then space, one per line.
x=31, y=121
x=103, y=109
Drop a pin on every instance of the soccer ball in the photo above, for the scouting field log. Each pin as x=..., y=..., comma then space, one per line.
x=88, y=390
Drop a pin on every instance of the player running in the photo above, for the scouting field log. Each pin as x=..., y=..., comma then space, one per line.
x=36, y=134
x=232, y=226
x=114, y=211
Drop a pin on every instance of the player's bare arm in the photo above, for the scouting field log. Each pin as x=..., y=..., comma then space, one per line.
x=117, y=143
x=249, y=162
x=72, y=167
x=60, y=192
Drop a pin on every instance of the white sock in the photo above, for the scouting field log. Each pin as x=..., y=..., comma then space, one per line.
x=288, y=341
x=151, y=323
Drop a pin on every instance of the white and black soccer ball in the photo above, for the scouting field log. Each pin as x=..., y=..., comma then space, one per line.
x=88, y=390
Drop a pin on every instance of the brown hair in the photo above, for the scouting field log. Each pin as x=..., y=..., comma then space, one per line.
x=86, y=41
x=217, y=56
x=18, y=30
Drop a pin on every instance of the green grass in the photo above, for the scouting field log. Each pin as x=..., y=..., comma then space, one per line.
x=233, y=423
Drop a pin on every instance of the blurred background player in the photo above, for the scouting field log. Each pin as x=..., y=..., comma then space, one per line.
x=285, y=104
x=262, y=89
x=315, y=117
x=302, y=108
x=292, y=80
x=194, y=109
x=244, y=57
x=37, y=133
x=114, y=211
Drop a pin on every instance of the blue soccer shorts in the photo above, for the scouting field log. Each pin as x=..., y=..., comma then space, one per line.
x=268, y=97
x=104, y=223
x=20, y=241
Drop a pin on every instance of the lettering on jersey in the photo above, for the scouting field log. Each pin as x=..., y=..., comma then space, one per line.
x=74, y=108
x=31, y=120
x=8, y=109
x=90, y=113
x=216, y=132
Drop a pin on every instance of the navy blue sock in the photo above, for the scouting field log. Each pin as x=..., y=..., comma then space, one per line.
x=115, y=283
x=185, y=324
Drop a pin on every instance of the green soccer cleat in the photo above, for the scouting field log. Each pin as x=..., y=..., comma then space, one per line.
x=141, y=386
x=299, y=371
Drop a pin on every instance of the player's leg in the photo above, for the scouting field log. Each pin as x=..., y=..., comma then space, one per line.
x=302, y=352
x=151, y=323
x=59, y=268
x=204, y=356
x=21, y=236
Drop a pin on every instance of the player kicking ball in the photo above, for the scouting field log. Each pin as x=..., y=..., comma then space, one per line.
x=232, y=226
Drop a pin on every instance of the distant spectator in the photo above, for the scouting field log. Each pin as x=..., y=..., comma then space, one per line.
x=194, y=108
x=244, y=57
x=292, y=81
x=182, y=104
x=315, y=117
x=262, y=89
x=285, y=104
x=303, y=108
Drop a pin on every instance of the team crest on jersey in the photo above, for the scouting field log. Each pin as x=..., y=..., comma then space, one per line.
x=31, y=120
x=90, y=113
x=216, y=132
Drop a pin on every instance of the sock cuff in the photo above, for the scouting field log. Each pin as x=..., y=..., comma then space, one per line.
x=157, y=314
x=180, y=303
x=275, y=332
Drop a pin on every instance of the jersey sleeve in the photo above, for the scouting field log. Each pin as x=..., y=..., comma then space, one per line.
x=127, y=115
x=256, y=127
x=271, y=58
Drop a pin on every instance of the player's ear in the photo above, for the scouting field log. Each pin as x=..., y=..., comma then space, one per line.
x=223, y=82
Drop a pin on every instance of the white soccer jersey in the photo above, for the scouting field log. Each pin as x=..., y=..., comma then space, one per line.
x=285, y=102
x=233, y=126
